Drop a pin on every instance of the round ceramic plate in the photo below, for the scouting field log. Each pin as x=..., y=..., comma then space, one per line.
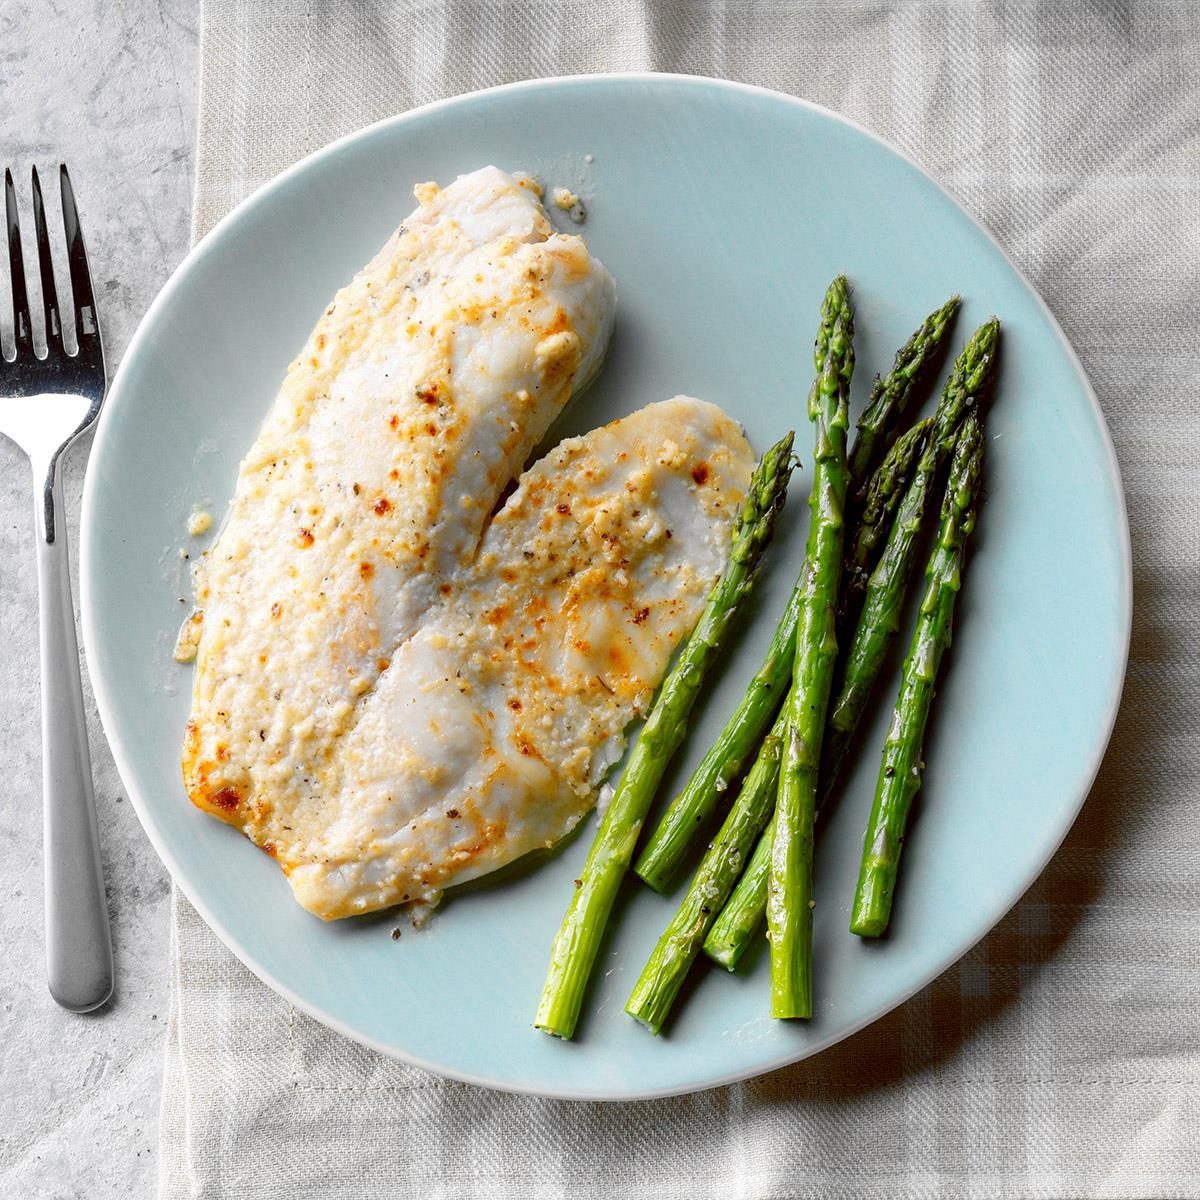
x=723, y=212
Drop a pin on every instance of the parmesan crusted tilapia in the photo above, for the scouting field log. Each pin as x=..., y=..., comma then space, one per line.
x=491, y=732
x=416, y=400
x=395, y=691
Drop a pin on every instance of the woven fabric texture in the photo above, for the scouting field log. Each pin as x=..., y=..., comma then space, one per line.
x=1061, y=1057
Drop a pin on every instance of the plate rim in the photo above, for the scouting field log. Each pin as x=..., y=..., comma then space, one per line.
x=108, y=708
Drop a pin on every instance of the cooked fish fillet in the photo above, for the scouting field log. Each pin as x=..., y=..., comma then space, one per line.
x=492, y=728
x=419, y=395
x=396, y=691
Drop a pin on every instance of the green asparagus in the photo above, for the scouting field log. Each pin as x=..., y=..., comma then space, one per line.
x=672, y=957
x=900, y=771
x=789, y=913
x=877, y=505
x=664, y=854
x=879, y=621
x=742, y=916
x=688, y=814
x=578, y=940
x=891, y=395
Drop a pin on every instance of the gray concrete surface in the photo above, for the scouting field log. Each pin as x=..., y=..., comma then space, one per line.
x=109, y=87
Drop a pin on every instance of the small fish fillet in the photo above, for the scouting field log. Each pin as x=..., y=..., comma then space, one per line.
x=491, y=731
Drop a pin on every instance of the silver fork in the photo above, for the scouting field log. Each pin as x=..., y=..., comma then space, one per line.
x=45, y=403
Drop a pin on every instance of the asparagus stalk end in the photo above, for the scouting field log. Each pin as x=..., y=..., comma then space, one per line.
x=578, y=940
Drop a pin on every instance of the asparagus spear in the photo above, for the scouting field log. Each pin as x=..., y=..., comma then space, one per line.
x=739, y=921
x=687, y=815
x=788, y=911
x=669, y=844
x=880, y=619
x=900, y=771
x=742, y=915
x=663, y=855
x=578, y=940
x=892, y=394
x=877, y=504
x=672, y=957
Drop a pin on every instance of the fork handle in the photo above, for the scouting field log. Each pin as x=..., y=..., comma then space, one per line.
x=79, y=964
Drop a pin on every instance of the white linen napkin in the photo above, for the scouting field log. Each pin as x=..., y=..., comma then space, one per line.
x=1061, y=1057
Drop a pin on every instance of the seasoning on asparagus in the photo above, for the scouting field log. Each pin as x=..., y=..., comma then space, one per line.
x=578, y=939
x=689, y=813
x=879, y=621
x=874, y=512
x=789, y=913
x=742, y=916
x=891, y=396
x=900, y=770
x=669, y=962
x=664, y=854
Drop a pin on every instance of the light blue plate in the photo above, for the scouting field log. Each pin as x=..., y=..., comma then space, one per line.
x=723, y=212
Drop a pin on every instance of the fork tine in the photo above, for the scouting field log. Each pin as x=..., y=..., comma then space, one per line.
x=46, y=263
x=86, y=325
x=22, y=327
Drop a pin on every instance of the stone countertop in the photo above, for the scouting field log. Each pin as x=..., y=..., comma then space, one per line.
x=109, y=88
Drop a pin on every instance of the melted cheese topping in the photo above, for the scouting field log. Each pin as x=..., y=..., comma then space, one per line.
x=199, y=523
